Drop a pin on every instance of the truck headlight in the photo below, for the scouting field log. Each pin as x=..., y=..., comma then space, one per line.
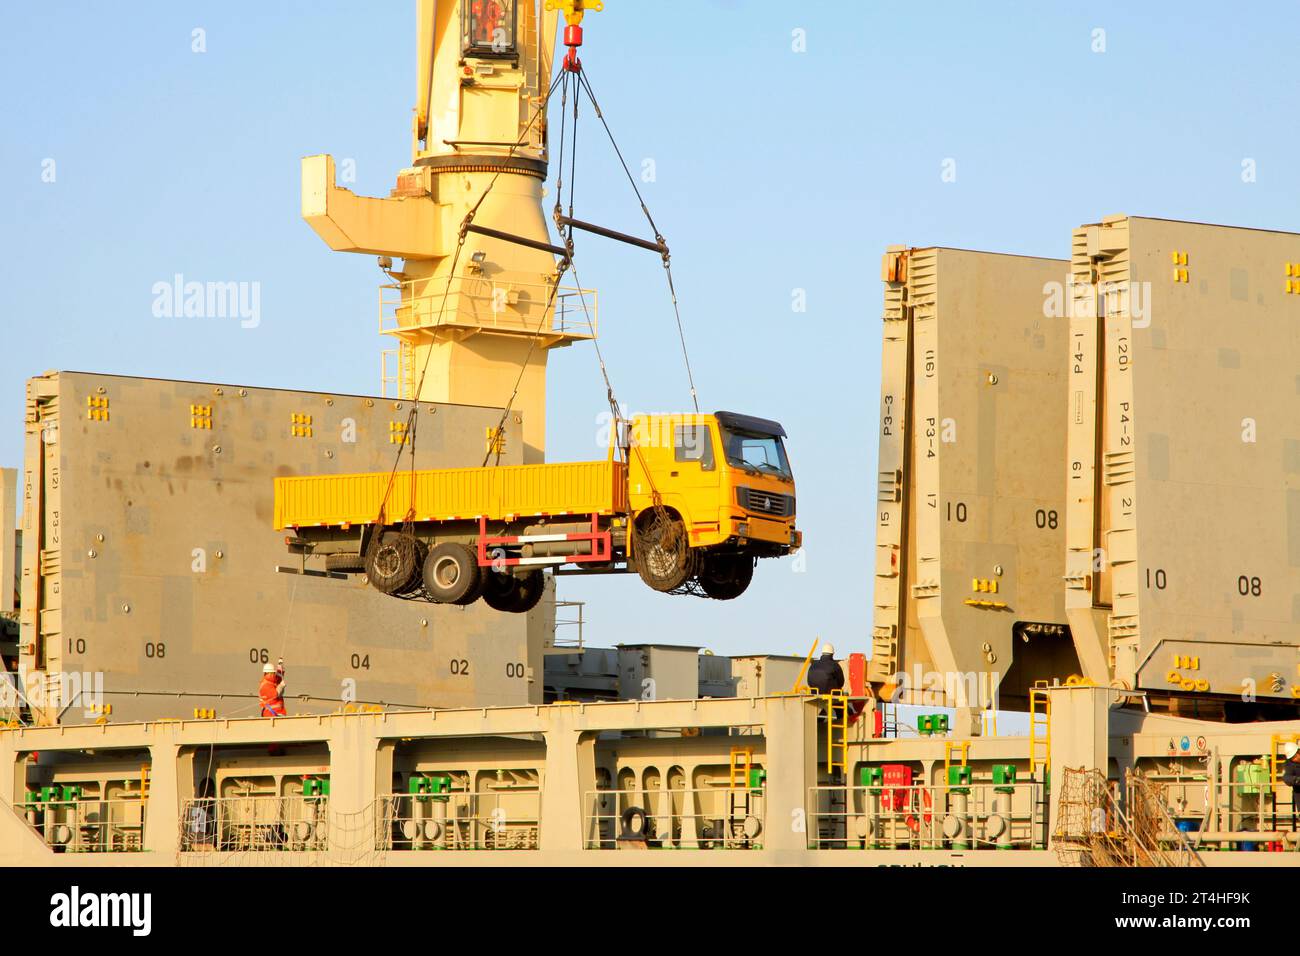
x=742, y=529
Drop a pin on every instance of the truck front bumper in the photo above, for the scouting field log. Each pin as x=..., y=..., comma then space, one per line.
x=765, y=531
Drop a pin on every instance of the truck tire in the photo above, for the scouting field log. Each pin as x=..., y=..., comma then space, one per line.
x=528, y=591
x=664, y=557
x=726, y=576
x=347, y=563
x=393, y=563
x=513, y=595
x=417, y=579
x=498, y=589
x=452, y=575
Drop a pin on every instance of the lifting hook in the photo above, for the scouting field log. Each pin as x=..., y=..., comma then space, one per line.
x=573, y=12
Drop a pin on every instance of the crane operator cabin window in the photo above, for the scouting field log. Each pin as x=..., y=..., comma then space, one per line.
x=488, y=27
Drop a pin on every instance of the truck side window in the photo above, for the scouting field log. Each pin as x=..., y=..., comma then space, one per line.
x=694, y=443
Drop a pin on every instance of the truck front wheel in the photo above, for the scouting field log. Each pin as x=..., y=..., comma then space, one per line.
x=664, y=558
x=726, y=576
x=452, y=575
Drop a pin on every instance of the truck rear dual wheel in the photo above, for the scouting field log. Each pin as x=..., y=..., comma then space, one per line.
x=726, y=576
x=452, y=575
x=393, y=563
x=506, y=592
x=664, y=557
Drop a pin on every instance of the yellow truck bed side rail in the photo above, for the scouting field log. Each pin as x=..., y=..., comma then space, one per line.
x=497, y=493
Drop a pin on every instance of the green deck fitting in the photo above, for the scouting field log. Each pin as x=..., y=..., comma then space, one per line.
x=757, y=777
x=431, y=787
x=871, y=777
x=930, y=724
x=313, y=787
x=1004, y=777
x=71, y=793
x=959, y=777
x=1252, y=773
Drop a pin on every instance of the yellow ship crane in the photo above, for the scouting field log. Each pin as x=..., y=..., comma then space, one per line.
x=468, y=302
x=688, y=501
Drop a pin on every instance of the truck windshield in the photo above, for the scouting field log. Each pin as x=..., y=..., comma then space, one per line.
x=752, y=450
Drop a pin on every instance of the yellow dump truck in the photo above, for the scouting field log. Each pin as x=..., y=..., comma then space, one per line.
x=687, y=501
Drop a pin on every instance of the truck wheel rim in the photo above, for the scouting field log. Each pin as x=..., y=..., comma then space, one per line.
x=662, y=556
x=388, y=562
x=446, y=572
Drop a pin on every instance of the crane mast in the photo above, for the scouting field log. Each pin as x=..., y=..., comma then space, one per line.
x=473, y=304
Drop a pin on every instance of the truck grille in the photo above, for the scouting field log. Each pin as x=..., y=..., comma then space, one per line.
x=766, y=502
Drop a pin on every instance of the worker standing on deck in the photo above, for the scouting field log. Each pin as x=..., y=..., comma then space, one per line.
x=1291, y=768
x=825, y=674
x=272, y=690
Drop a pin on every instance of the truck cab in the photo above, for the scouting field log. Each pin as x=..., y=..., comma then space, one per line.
x=708, y=494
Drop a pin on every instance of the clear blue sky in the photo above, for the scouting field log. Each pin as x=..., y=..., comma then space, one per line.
x=777, y=171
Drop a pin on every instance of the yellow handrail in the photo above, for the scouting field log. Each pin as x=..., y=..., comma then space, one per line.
x=739, y=775
x=800, y=687
x=837, y=719
x=1038, y=695
x=948, y=747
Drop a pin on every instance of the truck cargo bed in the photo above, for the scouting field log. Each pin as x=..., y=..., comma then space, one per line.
x=448, y=494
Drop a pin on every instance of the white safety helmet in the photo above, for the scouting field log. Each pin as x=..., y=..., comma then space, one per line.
x=828, y=649
x=1290, y=749
x=268, y=668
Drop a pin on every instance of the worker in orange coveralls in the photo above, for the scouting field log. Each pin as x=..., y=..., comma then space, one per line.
x=272, y=690
x=488, y=15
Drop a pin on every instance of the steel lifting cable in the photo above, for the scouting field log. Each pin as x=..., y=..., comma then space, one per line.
x=564, y=265
x=663, y=522
x=663, y=246
x=409, y=435
x=568, y=242
x=497, y=444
